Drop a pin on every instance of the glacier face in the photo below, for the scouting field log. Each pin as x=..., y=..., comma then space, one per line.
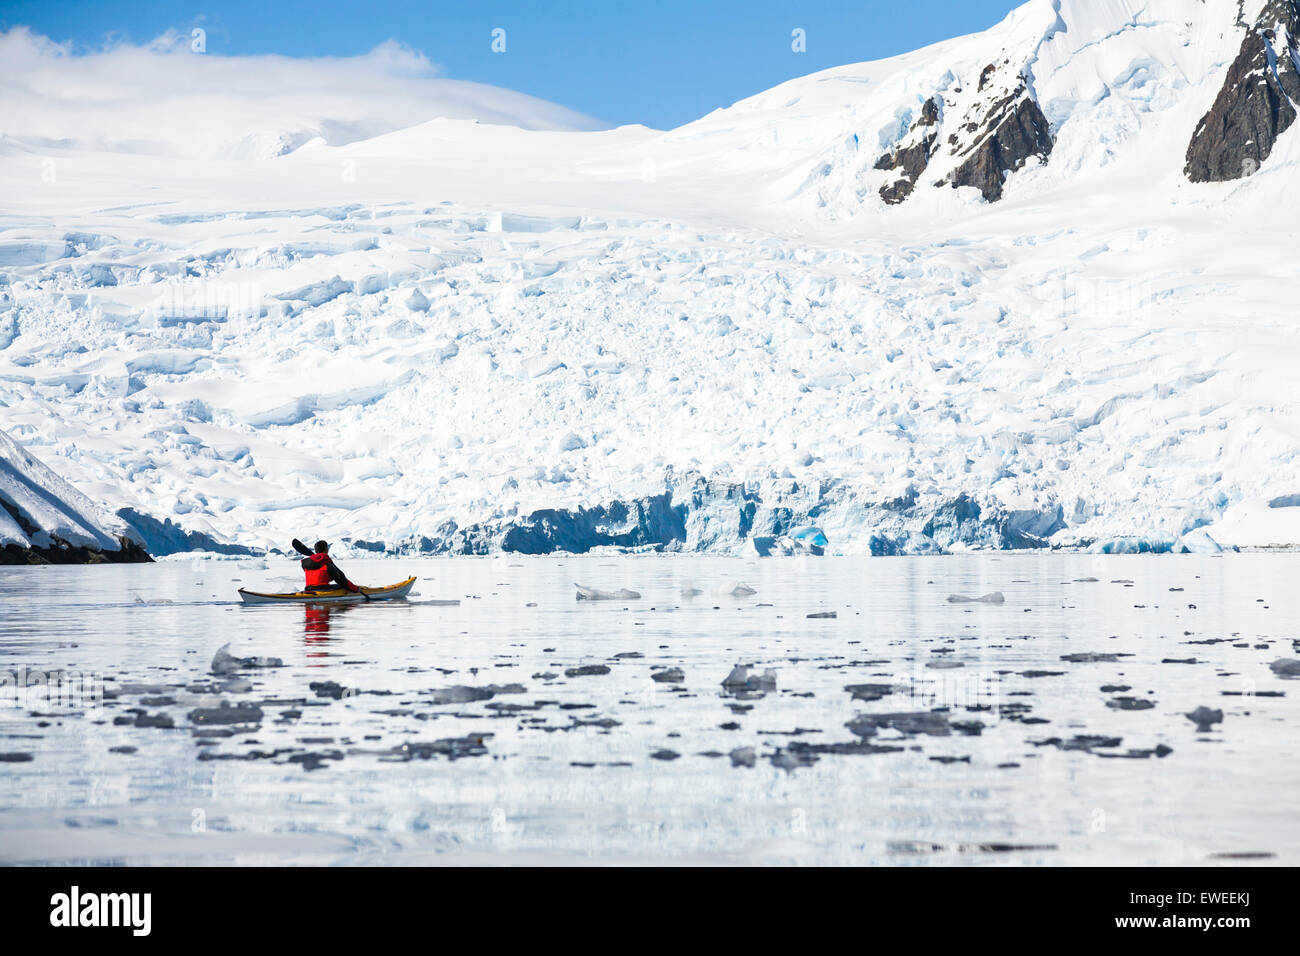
x=464, y=337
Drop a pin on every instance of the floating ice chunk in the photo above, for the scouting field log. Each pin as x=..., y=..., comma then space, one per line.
x=993, y=597
x=461, y=694
x=737, y=590
x=672, y=675
x=595, y=594
x=808, y=540
x=1205, y=718
x=742, y=678
x=226, y=714
x=1285, y=667
x=743, y=757
x=690, y=592
x=919, y=722
x=224, y=663
x=1197, y=541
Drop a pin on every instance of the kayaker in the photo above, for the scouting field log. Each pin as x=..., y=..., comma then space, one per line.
x=320, y=568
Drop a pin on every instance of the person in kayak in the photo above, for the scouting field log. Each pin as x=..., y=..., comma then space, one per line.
x=322, y=573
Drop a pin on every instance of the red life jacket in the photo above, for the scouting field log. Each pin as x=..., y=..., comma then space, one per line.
x=319, y=576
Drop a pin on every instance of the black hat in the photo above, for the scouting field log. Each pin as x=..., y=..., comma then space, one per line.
x=322, y=547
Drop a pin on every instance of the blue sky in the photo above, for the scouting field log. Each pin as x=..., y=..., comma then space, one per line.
x=661, y=64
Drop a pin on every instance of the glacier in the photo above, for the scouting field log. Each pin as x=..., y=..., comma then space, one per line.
x=464, y=330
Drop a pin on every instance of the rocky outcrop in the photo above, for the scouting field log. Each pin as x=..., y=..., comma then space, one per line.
x=974, y=135
x=43, y=547
x=60, y=552
x=911, y=155
x=1257, y=102
x=45, y=520
x=1014, y=131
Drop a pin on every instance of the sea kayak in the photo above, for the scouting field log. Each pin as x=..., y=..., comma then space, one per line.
x=333, y=596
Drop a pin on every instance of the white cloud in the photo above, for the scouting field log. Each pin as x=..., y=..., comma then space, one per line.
x=161, y=98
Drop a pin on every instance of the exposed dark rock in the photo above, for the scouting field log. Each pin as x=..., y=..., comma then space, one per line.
x=911, y=155
x=1014, y=130
x=46, y=547
x=1255, y=105
x=61, y=552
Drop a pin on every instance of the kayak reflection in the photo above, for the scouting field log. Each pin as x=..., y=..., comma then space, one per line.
x=316, y=622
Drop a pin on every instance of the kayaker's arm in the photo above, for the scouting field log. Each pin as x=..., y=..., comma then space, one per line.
x=338, y=577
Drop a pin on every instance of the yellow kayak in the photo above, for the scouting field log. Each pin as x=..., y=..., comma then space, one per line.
x=333, y=596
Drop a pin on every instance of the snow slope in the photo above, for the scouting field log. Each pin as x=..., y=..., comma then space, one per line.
x=465, y=336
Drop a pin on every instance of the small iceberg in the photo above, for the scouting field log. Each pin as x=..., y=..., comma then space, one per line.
x=807, y=540
x=225, y=664
x=1205, y=718
x=994, y=597
x=743, y=678
x=1197, y=541
x=595, y=594
x=1285, y=667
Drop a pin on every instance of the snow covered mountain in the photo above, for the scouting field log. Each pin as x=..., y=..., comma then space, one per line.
x=1022, y=288
x=45, y=520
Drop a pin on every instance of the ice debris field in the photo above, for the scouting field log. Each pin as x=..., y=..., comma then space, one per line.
x=451, y=335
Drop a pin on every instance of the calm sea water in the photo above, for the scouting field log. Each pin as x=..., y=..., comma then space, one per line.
x=1008, y=753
